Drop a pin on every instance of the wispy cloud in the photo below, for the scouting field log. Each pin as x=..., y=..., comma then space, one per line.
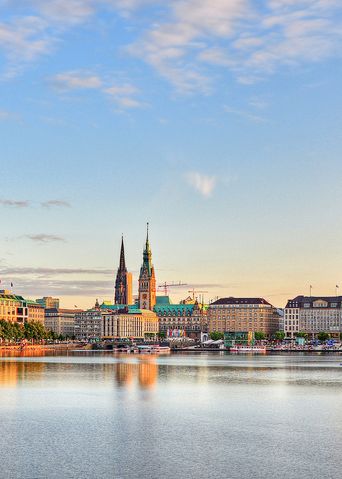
x=44, y=238
x=185, y=41
x=202, y=183
x=75, y=80
x=23, y=40
x=55, y=203
x=7, y=115
x=250, y=41
x=15, y=203
x=26, y=203
x=52, y=272
x=245, y=114
x=59, y=287
x=123, y=95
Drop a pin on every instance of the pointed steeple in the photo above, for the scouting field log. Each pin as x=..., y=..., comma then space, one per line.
x=147, y=281
x=123, y=283
x=122, y=266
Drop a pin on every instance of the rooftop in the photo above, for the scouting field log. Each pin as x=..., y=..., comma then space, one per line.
x=232, y=300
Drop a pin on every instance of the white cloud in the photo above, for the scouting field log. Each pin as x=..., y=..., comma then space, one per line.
x=123, y=95
x=186, y=41
x=76, y=80
x=24, y=39
x=249, y=40
x=204, y=184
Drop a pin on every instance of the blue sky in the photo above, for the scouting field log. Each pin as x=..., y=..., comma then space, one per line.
x=219, y=121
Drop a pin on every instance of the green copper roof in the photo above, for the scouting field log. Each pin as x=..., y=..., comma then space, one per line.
x=132, y=308
x=116, y=307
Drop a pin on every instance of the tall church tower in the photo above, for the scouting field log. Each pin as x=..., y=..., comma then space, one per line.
x=147, y=280
x=123, y=283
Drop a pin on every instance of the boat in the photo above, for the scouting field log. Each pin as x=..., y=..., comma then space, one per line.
x=160, y=349
x=248, y=349
x=153, y=349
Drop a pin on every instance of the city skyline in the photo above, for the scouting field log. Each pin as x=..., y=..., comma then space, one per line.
x=220, y=125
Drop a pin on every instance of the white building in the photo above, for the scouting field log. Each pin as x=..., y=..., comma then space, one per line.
x=313, y=315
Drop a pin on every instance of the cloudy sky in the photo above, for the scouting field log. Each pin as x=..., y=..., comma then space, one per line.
x=218, y=121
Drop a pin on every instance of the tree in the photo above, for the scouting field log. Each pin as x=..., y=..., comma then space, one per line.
x=279, y=335
x=215, y=335
x=301, y=334
x=259, y=335
x=323, y=336
x=162, y=334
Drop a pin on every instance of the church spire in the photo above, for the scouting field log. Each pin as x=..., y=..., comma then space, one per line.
x=122, y=266
x=123, y=283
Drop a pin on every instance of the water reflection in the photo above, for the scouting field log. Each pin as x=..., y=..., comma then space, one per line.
x=12, y=372
x=145, y=373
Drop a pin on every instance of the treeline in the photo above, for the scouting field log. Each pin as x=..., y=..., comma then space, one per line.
x=31, y=330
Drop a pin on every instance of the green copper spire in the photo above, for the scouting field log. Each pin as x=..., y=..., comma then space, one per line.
x=147, y=255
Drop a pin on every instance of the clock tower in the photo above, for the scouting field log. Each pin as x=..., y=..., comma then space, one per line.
x=147, y=279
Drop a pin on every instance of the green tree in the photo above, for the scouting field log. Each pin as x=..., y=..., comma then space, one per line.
x=323, y=336
x=215, y=335
x=279, y=335
x=259, y=335
x=35, y=330
x=301, y=334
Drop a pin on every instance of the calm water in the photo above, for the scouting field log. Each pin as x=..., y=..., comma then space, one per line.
x=94, y=415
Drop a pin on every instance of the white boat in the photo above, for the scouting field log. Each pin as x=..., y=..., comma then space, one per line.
x=153, y=349
x=160, y=349
x=248, y=349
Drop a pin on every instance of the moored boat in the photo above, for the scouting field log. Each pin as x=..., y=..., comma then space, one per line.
x=248, y=349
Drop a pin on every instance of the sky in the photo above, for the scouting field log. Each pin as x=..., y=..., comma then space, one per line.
x=218, y=121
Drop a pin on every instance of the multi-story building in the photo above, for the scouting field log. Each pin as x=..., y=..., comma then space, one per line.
x=147, y=279
x=48, y=302
x=61, y=321
x=12, y=307
x=88, y=325
x=35, y=311
x=129, y=323
x=313, y=315
x=243, y=314
x=17, y=309
x=123, y=283
x=183, y=319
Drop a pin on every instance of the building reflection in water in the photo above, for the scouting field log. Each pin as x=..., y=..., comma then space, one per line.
x=12, y=372
x=145, y=372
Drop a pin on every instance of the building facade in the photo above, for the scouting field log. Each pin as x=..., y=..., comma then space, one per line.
x=17, y=309
x=35, y=311
x=123, y=282
x=48, y=302
x=181, y=320
x=243, y=314
x=129, y=323
x=147, y=279
x=313, y=315
x=61, y=321
x=88, y=325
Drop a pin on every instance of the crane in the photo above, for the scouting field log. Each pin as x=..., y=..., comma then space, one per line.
x=166, y=285
x=193, y=291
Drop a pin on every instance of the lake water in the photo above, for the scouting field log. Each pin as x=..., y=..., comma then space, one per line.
x=96, y=415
